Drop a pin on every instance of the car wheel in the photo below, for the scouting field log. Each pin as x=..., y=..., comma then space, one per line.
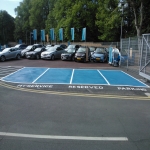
x=53, y=57
x=18, y=56
x=37, y=57
x=3, y=58
x=84, y=60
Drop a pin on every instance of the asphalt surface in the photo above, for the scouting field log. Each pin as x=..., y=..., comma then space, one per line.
x=60, y=110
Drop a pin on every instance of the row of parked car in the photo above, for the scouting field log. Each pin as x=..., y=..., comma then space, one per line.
x=52, y=52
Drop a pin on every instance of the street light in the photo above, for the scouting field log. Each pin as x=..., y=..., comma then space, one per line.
x=121, y=3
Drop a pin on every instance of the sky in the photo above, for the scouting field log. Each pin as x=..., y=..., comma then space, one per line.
x=9, y=6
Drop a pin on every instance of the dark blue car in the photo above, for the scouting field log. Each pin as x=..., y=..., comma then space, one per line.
x=99, y=55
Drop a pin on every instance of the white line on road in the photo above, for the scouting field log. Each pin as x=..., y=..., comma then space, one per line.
x=41, y=75
x=103, y=77
x=72, y=76
x=64, y=137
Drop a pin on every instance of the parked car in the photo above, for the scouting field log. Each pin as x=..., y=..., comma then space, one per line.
x=76, y=47
x=36, y=54
x=21, y=46
x=68, y=55
x=48, y=46
x=61, y=45
x=10, y=53
x=80, y=55
x=92, y=49
x=52, y=53
x=100, y=55
x=30, y=48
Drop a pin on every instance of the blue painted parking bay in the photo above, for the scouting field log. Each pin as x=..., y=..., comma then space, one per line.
x=34, y=75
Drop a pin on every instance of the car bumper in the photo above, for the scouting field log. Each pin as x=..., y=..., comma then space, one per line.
x=80, y=58
x=65, y=57
x=30, y=56
x=98, y=59
x=45, y=57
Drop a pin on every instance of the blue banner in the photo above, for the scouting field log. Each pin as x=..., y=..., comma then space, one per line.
x=61, y=34
x=84, y=34
x=72, y=34
x=52, y=34
x=42, y=35
x=20, y=41
x=35, y=35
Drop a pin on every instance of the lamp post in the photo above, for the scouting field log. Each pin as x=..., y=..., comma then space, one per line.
x=122, y=6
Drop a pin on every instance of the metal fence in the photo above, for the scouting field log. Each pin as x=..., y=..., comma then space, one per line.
x=144, y=70
x=130, y=53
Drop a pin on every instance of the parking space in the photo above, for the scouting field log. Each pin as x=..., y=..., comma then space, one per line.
x=73, y=76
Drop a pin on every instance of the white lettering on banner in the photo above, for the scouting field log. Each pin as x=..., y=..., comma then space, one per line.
x=34, y=86
x=131, y=89
x=85, y=87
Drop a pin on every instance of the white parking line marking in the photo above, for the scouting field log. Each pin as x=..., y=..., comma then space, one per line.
x=12, y=73
x=72, y=76
x=135, y=78
x=41, y=75
x=103, y=77
x=64, y=137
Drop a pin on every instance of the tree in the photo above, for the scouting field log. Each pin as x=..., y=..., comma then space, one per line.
x=22, y=26
x=108, y=20
x=141, y=11
x=6, y=27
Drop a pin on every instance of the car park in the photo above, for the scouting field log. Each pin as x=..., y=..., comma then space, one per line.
x=69, y=54
x=53, y=53
x=100, y=55
x=10, y=53
x=80, y=54
x=36, y=54
x=21, y=46
x=30, y=48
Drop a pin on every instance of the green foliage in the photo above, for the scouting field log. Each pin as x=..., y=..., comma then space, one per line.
x=6, y=27
x=102, y=18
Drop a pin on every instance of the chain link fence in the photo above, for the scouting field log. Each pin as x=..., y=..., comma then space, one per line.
x=130, y=53
x=145, y=57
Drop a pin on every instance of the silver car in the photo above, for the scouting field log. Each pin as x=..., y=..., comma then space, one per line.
x=52, y=53
x=10, y=53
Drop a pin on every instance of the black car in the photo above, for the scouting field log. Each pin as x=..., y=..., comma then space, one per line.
x=36, y=54
x=61, y=45
x=30, y=48
x=69, y=54
x=21, y=46
x=81, y=54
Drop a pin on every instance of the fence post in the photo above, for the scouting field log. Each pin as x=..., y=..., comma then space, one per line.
x=141, y=54
x=128, y=54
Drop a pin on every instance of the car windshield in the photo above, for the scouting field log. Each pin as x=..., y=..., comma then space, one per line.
x=6, y=50
x=71, y=50
x=100, y=50
x=37, y=49
x=17, y=45
x=57, y=46
x=81, y=49
x=51, y=49
x=29, y=47
x=71, y=46
x=92, y=49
